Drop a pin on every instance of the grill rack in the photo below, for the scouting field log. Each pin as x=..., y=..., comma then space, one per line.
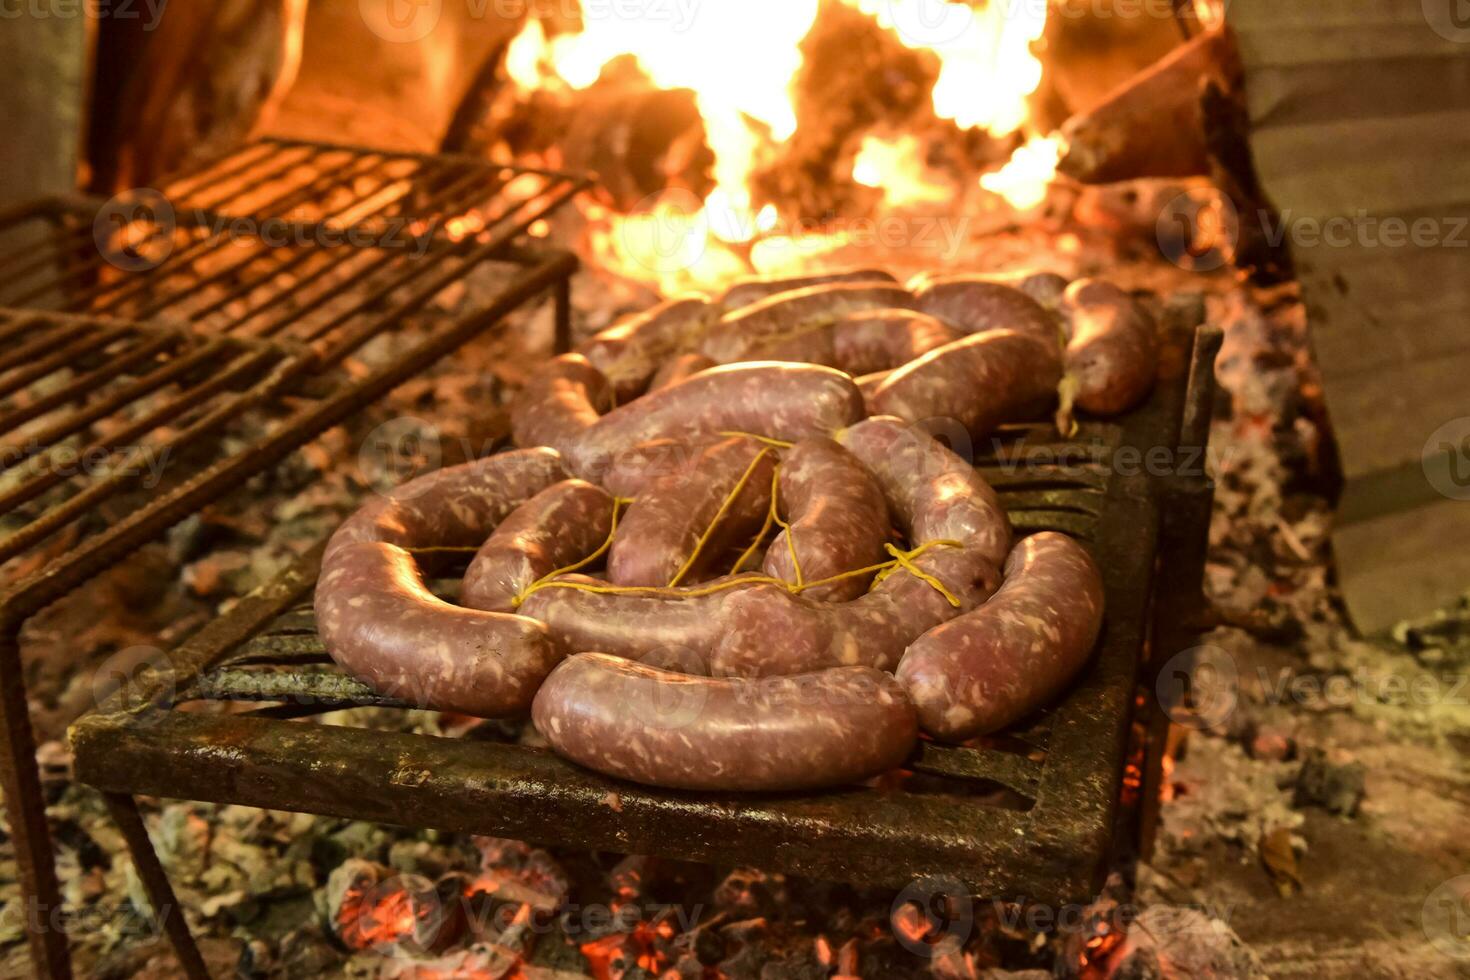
x=139, y=332
x=1045, y=837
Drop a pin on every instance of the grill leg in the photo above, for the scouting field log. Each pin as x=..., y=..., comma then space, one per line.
x=166, y=910
x=25, y=804
x=562, y=296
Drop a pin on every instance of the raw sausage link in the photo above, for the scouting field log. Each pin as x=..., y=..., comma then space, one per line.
x=977, y=304
x=664, y=525
x=454, y=507
x=384, y=627
x=743, y=292
x=991, y=667
x=981, y=381
x=661, y=728
x=640, y=627
x=559, y=402
x=1044, y=287
x=933, y=493
x=745, y=330
x=838, y=520
x=635, y=469
x=784, y=401
x=630, y=351
x=677, y=368
x=1112, y=357
x=878, y=340
x=559, y=526
x=765, y=631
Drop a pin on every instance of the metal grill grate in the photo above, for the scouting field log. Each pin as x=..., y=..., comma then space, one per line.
x=1027, y=815
x=138, y=334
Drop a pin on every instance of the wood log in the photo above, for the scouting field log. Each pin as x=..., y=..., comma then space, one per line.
x=1151, y=126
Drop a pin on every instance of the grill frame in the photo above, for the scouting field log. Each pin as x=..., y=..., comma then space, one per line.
x=298, y=376
x=1055, y=852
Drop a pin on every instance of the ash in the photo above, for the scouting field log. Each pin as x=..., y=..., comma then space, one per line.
x=1313, y=808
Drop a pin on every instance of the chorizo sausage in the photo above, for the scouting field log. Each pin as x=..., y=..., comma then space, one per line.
x=629, y=352
x=993, y=666
x=933, y=493
x=662, y=728
x=745, y=330
x=559, y=526
x=559, y=402
x=632, y=625
x=879, y=340
x=382, y=625
x=784, y=401
x=1112, y=354
x=765, y=630
x=838, y=520
x=1044, y=287
x=743, y=292
x=635, y=469
x=679, y=367
x=684, y=523
x=980, y=381
x=976, y=304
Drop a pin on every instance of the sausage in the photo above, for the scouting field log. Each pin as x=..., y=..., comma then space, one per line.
x=859, y=343
x=838, y=520
x=679, y=367
x=765, y=630
x=1112, y=354
x=980, y=381
x=743, y=292
x=740, y=332
x=559, y=402
x=635, y=469
x=383, y=626
x=658, y=542
x=662, y=728
x=933, y=493
x=629, y=352
x=634, y=626
x=784, y=401
x=993, y=666
x=878, y=340
x=1045, y=288
x=558, y=527
x=976, y=304
x=454, y=507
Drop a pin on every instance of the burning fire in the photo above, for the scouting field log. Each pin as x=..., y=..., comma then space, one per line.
x=740, y=59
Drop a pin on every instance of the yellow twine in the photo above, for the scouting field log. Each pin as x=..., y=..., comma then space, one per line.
x=761, y=534
x=725, y=506
x=767, y=440
x=577, y=566
x=904, y=559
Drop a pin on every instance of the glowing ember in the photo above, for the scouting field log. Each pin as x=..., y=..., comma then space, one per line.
x=897, y=167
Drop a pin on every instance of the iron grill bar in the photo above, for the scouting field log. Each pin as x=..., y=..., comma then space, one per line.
x=66, y=357
x=208, y=224
x=79, y=388
x=101, y=263
x=56, y=334
x=463, y=191
x=44, y=474
x=94, y=494
x=264, y=252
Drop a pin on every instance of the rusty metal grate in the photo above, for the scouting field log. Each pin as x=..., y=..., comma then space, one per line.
x=1028, y=815
x=139, y=337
